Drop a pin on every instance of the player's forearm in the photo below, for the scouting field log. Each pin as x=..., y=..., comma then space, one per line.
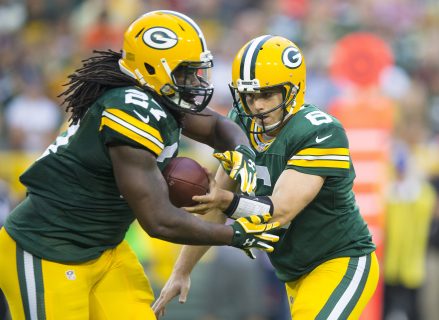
x=190, y=255
x=287, y=205
x=188, y=258
x=228, y=135
x=162, y=220
x=282, y=215
x=151, y=206
x=184, y=228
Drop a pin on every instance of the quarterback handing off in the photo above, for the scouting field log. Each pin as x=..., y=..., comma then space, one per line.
x=62, y=254
x=325, y=255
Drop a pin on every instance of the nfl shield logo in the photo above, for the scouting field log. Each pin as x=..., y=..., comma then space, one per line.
x=70, y=274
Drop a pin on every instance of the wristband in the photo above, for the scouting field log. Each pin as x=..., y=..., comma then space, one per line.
x=244, y=206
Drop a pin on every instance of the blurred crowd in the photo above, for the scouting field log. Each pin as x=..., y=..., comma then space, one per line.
x=42, y=41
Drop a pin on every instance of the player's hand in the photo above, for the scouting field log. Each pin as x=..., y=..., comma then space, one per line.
x=177, y=284
x=240, y=166
x=250, y=232
x=215, y=199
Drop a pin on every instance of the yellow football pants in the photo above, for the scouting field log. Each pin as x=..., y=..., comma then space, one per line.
x=113, y=286
x=337, y=289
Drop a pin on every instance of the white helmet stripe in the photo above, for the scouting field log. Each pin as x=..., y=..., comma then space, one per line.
x=192, y=23
x=248, y=59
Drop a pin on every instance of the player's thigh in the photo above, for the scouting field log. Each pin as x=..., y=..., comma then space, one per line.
x=67, y=287
x=337, y=289
x=124, y=292
x=9, y=275
x=41, y=289
x=369, y=288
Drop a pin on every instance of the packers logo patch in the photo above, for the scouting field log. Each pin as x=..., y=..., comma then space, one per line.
x=160, y=38
x=291, y=57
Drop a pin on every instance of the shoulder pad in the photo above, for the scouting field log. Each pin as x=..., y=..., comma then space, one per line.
x=318, y=143
x=131, y=116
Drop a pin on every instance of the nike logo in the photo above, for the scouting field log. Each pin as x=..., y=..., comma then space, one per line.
x=146, y=120
x=318, y=140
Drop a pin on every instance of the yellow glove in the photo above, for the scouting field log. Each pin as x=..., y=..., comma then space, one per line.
x=240, y=166
x=250, y=232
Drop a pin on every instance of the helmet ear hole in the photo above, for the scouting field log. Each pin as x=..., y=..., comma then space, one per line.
x=149, y=68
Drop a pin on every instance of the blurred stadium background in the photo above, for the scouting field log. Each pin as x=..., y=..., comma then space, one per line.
x=373, y=63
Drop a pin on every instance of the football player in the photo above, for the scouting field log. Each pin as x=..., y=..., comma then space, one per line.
x=325, y=255
x=62, y=254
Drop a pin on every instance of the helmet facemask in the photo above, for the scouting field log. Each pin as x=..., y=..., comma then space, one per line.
x=191, y=90
x=289, y=92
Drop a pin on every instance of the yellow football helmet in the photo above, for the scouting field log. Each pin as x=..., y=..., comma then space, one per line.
x=166, y=51
x=268, y=62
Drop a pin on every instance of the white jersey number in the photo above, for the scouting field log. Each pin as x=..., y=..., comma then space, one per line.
x=263, y=174
x=318, y=117
x=60, y=141
x=140, y=99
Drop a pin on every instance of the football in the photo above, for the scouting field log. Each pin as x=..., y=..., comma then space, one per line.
x=185, y=178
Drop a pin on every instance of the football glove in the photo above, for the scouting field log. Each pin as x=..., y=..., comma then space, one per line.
x=240, y=165
x=250, y=232
x=249, y=253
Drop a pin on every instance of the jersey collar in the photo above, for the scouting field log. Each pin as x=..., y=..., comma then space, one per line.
x=258, y=141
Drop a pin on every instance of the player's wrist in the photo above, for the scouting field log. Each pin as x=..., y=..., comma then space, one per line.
x=231, y=227
x=181, y=271
x=238, y=236
x=226, y=199
x=232, y=205
x=244, y=206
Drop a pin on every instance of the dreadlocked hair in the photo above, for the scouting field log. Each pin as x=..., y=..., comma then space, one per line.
x=97, y=74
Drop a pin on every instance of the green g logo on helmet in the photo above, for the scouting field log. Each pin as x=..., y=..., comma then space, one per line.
x=160, y=38
x=292, y=58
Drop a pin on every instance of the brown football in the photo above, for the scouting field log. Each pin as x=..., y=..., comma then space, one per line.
x=185, y=179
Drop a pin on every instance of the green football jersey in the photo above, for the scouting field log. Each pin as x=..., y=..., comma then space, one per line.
x=331, y=226
x=74, y=210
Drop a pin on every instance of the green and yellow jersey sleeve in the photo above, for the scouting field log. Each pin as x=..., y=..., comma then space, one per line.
x=133, y=119
x=323, y=151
